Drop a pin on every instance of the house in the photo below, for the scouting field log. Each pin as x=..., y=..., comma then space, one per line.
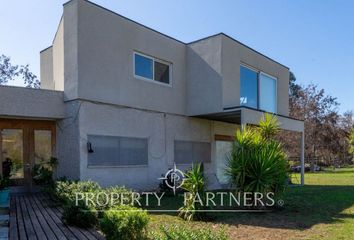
x=121, y=103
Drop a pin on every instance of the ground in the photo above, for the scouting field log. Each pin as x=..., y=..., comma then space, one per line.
x=323, y=209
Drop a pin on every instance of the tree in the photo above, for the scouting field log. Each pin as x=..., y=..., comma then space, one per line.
x=326, y=130
x=10, y=72
x=351, y=142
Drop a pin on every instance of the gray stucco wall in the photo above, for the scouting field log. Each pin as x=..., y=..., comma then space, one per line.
x=160, y=129
x=105, y=45
x=31, y=103
x=46, y=71
x=233, y=55
x=58, y=60
x=204, y=76
x=68, y=148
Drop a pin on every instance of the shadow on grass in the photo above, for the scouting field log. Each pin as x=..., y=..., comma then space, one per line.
x=303, y=208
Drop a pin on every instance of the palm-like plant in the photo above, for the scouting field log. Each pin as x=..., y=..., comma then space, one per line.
x=257, y=162
x=194, y=184
x=268, y=126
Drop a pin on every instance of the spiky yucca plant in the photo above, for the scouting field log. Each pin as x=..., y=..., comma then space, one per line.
x=194, y=184
x=257, y=162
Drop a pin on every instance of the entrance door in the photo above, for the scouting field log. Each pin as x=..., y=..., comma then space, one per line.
x=24, y=143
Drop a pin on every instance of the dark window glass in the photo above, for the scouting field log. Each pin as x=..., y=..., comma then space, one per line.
x=162, y=72
x=117, y=151
x=187, y=152
x=143, y=66
x=249, y=87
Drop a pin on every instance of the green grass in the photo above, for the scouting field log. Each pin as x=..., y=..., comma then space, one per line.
x=322, y=209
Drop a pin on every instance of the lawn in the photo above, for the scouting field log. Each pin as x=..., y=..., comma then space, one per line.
x=323, y=209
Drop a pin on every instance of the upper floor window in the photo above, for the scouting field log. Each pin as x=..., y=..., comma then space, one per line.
x=150, y=68
x=248, y=87
x=267, y=93
x=258, y=90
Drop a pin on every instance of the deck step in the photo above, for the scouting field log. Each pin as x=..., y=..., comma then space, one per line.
x=4, y=233
x=4, y=220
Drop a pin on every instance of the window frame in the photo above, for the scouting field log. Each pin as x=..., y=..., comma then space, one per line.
x=154, y=59
x=259, y=72
x=123, y=165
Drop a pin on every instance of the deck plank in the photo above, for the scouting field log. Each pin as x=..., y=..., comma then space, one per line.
x=37, y=227
x=47, y=231
x=57, y=221
x=36, y=216
x=31, y=235
x=13, y=220
x=20, y=223
x=48, y=220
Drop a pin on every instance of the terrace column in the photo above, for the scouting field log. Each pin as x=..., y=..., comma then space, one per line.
x=302, y=158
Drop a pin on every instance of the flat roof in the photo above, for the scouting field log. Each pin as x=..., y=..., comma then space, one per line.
x=177, y=40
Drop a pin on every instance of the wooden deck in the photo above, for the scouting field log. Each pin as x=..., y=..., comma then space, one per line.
x=35, y=216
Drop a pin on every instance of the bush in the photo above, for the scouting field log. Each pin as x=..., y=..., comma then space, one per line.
x=182, y=233
x=80, y=216
x=194, y=184
x=83, y=215
x=257, y=162
x=125, y=223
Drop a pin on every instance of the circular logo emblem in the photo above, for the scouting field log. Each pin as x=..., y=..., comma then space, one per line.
x=174, y=178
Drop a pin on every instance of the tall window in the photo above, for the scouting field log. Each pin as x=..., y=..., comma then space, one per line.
x=187, y=152
x=150, y=68
x=249, y=87
x=267, y=93
x=258, y=90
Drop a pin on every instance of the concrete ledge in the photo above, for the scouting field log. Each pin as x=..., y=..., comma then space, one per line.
x=31, y=103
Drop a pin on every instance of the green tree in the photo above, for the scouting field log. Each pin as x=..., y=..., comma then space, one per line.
x=9, y=72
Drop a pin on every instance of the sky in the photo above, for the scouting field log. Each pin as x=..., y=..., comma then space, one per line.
x=315, y=39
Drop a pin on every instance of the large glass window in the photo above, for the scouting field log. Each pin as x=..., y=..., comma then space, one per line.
x=267, y=93
x=249, y=87
x=117, y=151
x=151, y=68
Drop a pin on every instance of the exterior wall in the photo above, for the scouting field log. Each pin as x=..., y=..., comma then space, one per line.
x=161, y=130
x=46, y=71
x=68, y=138
x=204, y=74
x=58, y=60
x=234, y=54
x=105, y=45
x=31, y=103
x=70, y=49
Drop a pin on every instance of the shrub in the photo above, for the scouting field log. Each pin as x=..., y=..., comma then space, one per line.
x=125, y=223
x=80, y=216
x=194, y=184
x=83, y=215
x=257, y=162
x=42, y=173
x=183, y=233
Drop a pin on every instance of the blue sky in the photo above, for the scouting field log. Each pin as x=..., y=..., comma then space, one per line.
x=314, y=38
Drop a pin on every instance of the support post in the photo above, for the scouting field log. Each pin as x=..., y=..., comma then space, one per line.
x=302, y=157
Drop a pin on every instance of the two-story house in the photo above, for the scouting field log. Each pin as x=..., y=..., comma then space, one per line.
x=121, y=103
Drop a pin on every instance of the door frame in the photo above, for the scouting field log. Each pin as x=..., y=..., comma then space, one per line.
x=28, y=127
